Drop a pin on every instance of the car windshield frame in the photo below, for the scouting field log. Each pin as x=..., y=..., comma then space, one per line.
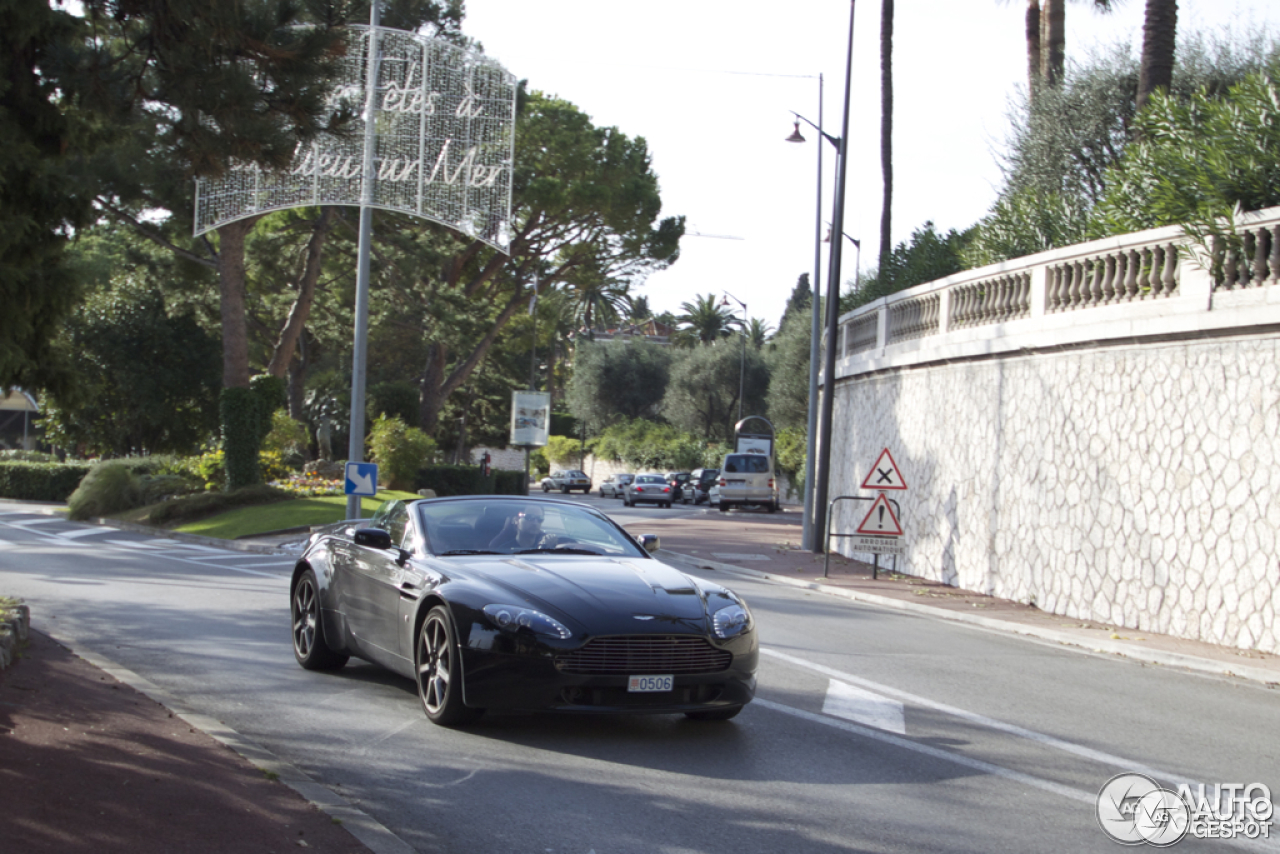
x=455, y=527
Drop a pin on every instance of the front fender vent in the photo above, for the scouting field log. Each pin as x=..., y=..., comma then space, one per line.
x=645, y=654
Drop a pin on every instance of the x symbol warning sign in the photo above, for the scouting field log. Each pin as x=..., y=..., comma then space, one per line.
x=885, y=474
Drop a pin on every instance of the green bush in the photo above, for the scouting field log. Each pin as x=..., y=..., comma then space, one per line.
x=468, y=480
x=399, y=450
x=397, y=399
x=109, y=487
x=287, y=437
x=240, y=437
x=40, y=481
x=269, y=394
x=565, y=451
x=209, y=503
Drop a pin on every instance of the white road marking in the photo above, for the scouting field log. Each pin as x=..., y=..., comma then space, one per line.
x=864, y=707
x=82, y=532
x=734, y=556
x=991, y=723
x=927, y=750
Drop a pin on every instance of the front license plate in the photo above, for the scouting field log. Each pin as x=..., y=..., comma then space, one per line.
x=649, y=684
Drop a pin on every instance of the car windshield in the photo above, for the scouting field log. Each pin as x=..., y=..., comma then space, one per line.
x=515, y=525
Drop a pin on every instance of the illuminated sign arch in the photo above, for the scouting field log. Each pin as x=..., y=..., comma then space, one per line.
x=443, y=136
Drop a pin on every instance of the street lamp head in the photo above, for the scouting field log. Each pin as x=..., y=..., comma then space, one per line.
x=796, y=136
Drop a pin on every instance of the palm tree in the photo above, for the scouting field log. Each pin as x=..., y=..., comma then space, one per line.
x=758, y=332
x=1047, y=40
x=596, y=300
x=1159, y=37
x=704, y=321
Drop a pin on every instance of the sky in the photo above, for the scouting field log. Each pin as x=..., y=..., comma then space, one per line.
x=711, y=85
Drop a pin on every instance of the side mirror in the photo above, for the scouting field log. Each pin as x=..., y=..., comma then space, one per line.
x=374, y=538
x=650, y=542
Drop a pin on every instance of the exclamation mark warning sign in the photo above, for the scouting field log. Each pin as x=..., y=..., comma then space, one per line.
x=880, y=520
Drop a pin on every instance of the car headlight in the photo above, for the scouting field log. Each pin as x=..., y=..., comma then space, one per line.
x=731, y=621
x=509, y=618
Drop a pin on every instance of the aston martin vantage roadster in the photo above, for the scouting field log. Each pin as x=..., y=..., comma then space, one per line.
x=521, y=604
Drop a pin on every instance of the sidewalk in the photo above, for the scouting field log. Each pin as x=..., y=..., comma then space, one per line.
x=767, y=546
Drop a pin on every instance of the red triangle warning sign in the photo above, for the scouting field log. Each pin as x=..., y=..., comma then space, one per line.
x=885, y=474
x=881, y=521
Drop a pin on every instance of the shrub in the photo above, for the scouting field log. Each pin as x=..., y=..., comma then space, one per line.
x=209, y=503
x=109, y=487
x=26, y=457
x=400, y=451
x=287, y=437
x=468, y=480
x=40, y=481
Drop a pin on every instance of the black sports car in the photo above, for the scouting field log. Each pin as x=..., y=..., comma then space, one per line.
x=521, y=604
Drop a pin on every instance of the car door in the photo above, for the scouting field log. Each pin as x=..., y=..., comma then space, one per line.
x=374, y=584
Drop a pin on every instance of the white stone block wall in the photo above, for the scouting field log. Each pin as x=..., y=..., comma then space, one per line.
x=1137, y=485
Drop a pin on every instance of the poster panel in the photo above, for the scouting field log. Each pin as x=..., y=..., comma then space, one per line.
x=530, y=418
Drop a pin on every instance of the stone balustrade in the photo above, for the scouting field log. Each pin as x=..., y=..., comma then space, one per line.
x=1095, y=429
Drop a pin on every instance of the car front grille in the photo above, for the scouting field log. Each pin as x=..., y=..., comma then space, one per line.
x=645, y=654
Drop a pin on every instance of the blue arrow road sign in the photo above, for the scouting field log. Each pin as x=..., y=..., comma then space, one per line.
x=362, y=479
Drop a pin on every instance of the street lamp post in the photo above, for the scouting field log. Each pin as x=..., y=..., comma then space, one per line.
x=824, y=443
x=742, y=368
x=815, y=334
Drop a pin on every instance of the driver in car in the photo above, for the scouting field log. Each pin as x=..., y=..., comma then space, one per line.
x=524, y=531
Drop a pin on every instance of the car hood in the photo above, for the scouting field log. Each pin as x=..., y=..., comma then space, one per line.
x=597, y=592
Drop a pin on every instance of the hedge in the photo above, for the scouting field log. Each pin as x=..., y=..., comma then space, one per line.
x=40, y=481
x=467, y=480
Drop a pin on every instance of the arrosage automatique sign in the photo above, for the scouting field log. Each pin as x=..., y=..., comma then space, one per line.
x=444, y=133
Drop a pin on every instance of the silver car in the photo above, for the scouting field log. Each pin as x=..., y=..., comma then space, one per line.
x=567, y=481
x=615, y=485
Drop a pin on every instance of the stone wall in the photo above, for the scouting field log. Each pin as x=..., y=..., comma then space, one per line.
x=1132, y=483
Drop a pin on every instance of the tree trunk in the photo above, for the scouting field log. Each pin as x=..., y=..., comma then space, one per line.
x=886, y=127
x=1159, y=37
x=301, y=310
x=231, y=280
x=1053, y=42
x=1033, y=47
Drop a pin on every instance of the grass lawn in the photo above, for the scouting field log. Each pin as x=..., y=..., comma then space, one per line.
x=282, y=515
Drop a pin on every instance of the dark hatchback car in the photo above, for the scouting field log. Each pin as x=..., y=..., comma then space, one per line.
x=678, y=480
x=698, y=489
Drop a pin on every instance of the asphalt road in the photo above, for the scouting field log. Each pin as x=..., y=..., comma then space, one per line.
x=874, y=730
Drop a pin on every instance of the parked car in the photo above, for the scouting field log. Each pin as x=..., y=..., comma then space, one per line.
x=677, y=479
x=698, y=489
x=747, y=480
x=615, y=485
x=567, y=481
x=648, y=488
x=586, y=620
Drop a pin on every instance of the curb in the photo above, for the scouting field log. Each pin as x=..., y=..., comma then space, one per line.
x=1149, y=656
x=365, y=828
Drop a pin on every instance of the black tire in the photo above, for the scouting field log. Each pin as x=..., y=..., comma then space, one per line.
x=724, y=508
x=309, y=645
x=714, y=714
x=439, y=671
x=546, y=488
x=773, y=507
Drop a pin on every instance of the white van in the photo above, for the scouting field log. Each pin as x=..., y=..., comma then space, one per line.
x=748, y=479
